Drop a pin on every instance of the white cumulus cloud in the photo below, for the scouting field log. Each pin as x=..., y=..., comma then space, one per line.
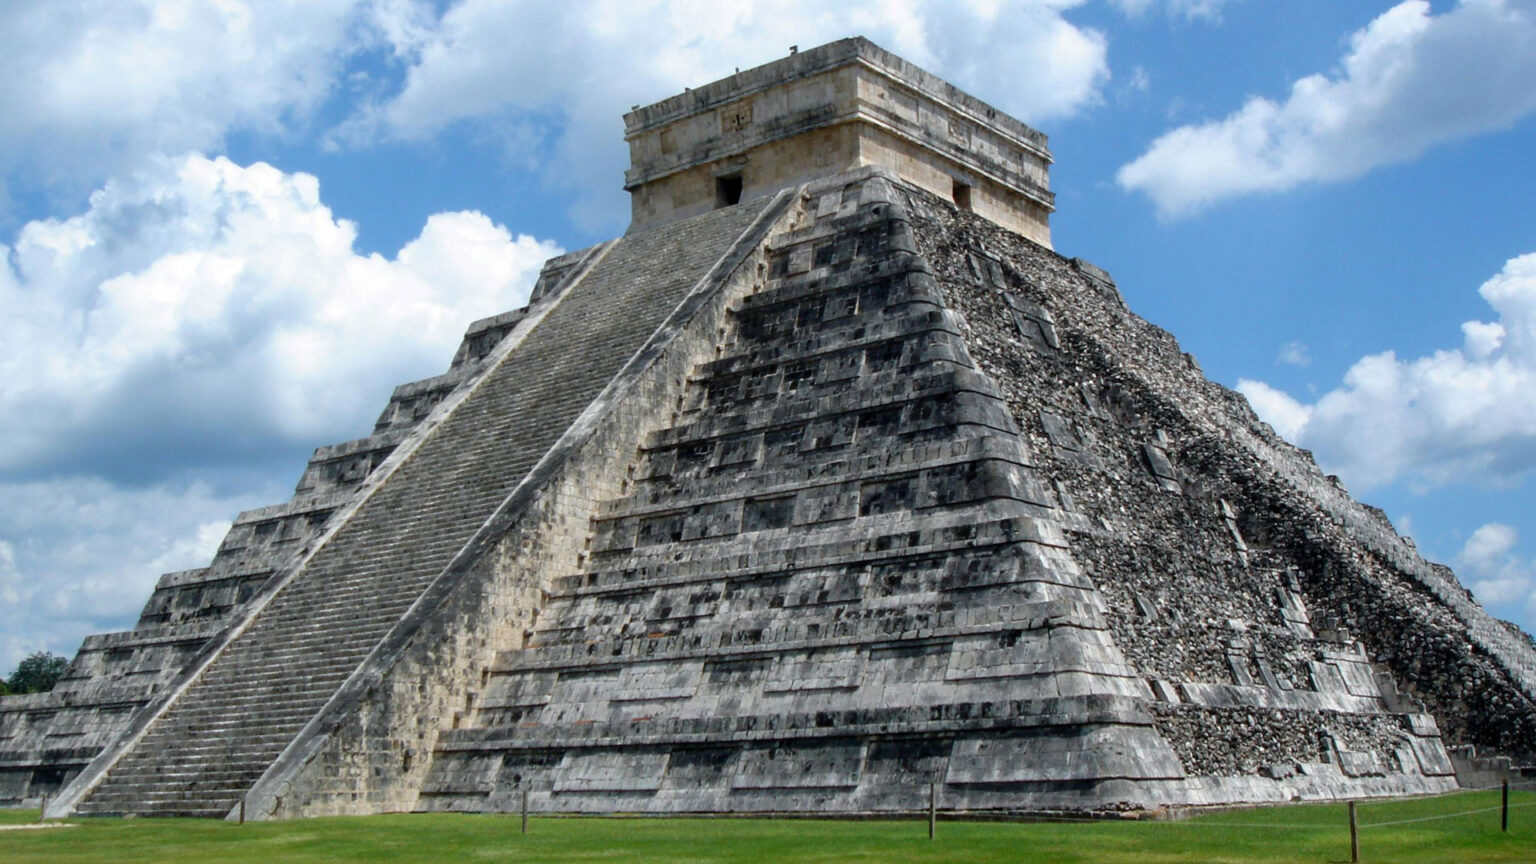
x=1411, y=80
x=94, y=86
x=1277, y=408
x=1496, y=574
x=531, y=75
x=202, y=308
x=1457, y=415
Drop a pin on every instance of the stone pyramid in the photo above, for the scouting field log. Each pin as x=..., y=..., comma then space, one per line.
x=827, y=482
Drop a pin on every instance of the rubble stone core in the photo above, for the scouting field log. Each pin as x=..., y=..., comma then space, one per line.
x=796, y=504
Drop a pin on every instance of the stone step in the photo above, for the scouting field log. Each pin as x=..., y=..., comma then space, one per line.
x=201, y=761
x=200, y=805
x=147, y=786
x=217, y=720
x=190, y=789
x=190, y=807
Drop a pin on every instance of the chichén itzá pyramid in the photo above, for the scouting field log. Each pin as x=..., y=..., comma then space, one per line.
x=827, y=481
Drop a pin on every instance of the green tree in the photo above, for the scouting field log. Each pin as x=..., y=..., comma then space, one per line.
x=37, y=673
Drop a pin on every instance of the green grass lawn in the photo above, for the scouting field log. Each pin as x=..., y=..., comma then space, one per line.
x=1310, y=833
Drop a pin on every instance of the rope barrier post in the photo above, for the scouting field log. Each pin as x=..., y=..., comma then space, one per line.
x=43, y=813
x=1504, y=809
x=933, y=805
x=242, y=810
x=1354, y=836
x=525, y=809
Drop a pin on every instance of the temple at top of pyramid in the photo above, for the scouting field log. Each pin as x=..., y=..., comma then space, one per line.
x=827, y=484
x=826, y=111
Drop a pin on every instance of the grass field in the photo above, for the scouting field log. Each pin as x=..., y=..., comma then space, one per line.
x=1447, y=829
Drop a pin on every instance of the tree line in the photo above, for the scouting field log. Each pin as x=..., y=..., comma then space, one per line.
x=36, y=673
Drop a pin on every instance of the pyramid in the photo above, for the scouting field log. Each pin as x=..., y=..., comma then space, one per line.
x=827, y=485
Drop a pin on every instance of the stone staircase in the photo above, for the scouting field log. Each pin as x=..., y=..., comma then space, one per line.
x=202, y=753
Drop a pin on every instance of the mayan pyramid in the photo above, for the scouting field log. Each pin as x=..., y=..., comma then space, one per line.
x=828, y=481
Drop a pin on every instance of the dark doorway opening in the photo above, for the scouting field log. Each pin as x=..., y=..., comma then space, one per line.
x=727, y=190
x=962, y=195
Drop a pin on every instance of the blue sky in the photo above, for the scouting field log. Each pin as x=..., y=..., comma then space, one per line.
x=228, y=229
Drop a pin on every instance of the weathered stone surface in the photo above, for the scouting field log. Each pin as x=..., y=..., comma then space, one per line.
x=802, y=505
x=826, y=111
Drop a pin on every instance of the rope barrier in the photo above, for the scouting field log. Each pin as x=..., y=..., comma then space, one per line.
x=1430, y=818
x=1289, y=827
x=1522, y=784
x=1187, y=823
x=1326, y=826
x=1217, y=823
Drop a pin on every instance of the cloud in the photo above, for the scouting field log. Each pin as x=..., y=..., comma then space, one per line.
x=1294, y=354
x=1457, y=415
x=1497, y=576
x=201, y=312
x=1277, y=408
x=1410, y=81
x=1188, y=10
x=83, y=554
x=560, y=75
x=9, y=583
x=1134, y=86
x=94, y=86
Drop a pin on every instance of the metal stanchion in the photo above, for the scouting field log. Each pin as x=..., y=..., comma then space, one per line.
x=1354, y=836
x=1504, y=810
x=43, y=813
x=525, y=809
x=933, y=806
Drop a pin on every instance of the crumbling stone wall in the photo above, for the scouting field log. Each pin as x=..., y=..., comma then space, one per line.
x=1215, y=544
x=1247, y=741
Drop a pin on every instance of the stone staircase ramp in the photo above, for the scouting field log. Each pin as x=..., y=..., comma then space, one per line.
x=207, y=748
